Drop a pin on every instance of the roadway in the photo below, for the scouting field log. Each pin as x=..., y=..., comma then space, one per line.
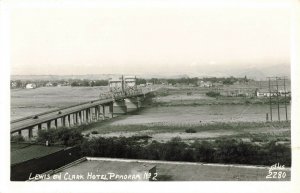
x=52, y=115
x=31, y=121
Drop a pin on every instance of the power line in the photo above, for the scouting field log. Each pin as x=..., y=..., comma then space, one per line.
x=275, y=94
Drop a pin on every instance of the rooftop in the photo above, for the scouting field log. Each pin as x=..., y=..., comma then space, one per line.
x=23, y=152
x=125, y=169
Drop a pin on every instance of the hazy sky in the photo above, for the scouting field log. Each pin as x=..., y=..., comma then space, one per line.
x=161, y=37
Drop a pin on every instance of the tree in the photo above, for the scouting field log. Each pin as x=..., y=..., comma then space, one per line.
x=65, y=136
x=212, y=94
x=75, y=83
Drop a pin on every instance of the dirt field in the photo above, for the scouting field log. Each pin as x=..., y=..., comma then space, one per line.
x=255, y=132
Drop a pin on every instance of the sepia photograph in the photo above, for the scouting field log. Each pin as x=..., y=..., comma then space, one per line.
x=161, y=91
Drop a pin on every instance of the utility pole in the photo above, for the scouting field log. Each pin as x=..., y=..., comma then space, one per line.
x=275, y=93
x=270, y=99
x=277, y=97
x=285, y=99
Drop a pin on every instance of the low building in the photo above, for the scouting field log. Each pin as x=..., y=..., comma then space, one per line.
x=217, y=84
x=49, y=84
x=237, y=91
x=268, y=93
x=30, y=86
x=30, y=159
x=204, y=84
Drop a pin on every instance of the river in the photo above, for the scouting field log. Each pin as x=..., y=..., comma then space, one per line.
x=26, y=102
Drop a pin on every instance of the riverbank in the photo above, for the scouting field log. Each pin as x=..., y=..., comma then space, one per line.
x=196, y=96
x=200, y=100
x=257, y=132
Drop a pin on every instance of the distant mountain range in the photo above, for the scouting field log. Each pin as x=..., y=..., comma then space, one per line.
x=65, y=77
x=257, y=73
x=88, y=76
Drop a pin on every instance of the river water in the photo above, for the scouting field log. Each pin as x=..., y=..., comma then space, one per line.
x=26, y=102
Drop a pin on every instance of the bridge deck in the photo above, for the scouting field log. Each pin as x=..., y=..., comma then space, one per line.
x=27, y=122
x=52, y=115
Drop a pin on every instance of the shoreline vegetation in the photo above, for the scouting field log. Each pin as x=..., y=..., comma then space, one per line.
x=226, y=151
x=238, y=126
x=257, y=149
x=193, y=96
x=220, y=101
x=209, y=100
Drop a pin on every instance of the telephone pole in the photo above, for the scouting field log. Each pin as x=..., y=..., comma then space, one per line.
x=275, y=96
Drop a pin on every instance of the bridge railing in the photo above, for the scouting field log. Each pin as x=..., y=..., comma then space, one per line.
x=133, y=92
x=102, y=96
x=120, y=94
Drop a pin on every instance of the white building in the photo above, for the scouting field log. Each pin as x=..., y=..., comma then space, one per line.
x=49, y=84
x=30, y=86
x=206, y=84
x=267, y=93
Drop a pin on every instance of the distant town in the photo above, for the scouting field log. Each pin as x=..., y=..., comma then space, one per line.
x=223, y=86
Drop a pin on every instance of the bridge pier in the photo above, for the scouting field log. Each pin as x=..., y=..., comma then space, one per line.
x=139, y=101
x=93, y=114
x=132, y=104
x=87, y=115
x=48, y=125
x=100, y=114
x=63, y=119
x=119, y=107
x=30, y=133
x=80, y=118
x=111, y=109
x=76, y=118
x=97, y=113
x=55, y=123
x=103, y=112
x=39, y=127
x=69, y=120
x=72, y=119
